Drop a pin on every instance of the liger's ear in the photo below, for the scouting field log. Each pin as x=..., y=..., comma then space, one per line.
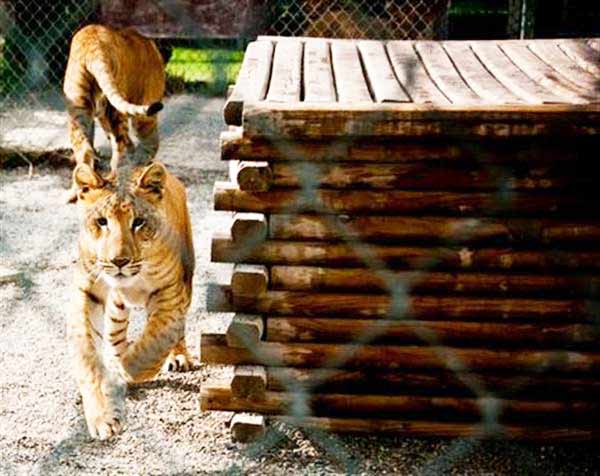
x=152, y=179
x=86, y=179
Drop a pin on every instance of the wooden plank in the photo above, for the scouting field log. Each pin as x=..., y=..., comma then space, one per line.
x=463, y=334
x=252, y=81
x=586, y=57
x=511, y=76
x=424, y=175
x=8, y=275
x=445, y=75
x=321, y=279
x=249, y=381
x=245, y=331
x=424, y=307
x=351, y=84
x=477, y=77
x=433, y=230
x=308, y=121
x=390, y=382
x=227, y=197
x=214, y=350
x=412, y=75
x=234, y=146
x=420, y=258
x=380, y=74
x=543, y=74
x=318, y=72
x=286, y=76
x=218, y=396
x=549, y=52
x=443, y=430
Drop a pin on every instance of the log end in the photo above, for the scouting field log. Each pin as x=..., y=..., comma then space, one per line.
x=247, y=427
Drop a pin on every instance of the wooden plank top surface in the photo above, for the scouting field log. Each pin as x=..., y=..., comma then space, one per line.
x=498, y=82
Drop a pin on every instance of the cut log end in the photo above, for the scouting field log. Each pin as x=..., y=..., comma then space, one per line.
x=249, y=382
x=245, y=331
x=247, y=427
x=249, y=280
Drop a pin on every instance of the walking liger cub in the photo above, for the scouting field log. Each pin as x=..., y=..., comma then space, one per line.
x=113, y=75
x=135, y=250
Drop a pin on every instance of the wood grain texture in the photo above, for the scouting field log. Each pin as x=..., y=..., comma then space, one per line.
x=423, y=307
x=214, y=350
x=549, y=52
x=511, y=76
x=586, y=57
x=285, y=84
x=382, y=120
x=228, y=197
x=467, y=383
x=380, y=74
x=412, y=257
x=423, y=175
x=412, y=75
x=443, y=430
x=234, y=146
x=318, y=73
x=307, y=278
x=544, y=74
x=350, y=80
x=462, y=334
x=433, y=230
x=477, y=77
x=216, y=396
x=252, y=81
x=445, y=75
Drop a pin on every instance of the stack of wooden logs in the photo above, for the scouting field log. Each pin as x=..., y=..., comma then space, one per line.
x=438, y=286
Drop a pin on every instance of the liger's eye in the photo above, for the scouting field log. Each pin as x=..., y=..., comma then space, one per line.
x=101, y=222
x=138, y=223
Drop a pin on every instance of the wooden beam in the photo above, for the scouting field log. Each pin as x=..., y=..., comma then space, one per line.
x=245, y=331
x=421, y=175
x=417, y=258
x=219, y=298
x=249, y=382
x=307, y=121
x=444, y=430
x=235, y=146
x=411, y=407
x=228, y=197
x=348, y=330
x=440, y=382
x=322, y=279
x=407, y=306
x=214, y=350
x=433, y=230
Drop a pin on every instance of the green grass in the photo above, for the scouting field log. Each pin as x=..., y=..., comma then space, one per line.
x=211, y=69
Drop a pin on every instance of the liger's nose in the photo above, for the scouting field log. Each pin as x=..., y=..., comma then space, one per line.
x=120, y=262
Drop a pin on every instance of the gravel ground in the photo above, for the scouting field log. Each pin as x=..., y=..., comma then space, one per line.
x=41, y=426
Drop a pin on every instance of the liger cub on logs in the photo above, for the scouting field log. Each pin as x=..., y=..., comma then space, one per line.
x=113, y=75
x=135, y=250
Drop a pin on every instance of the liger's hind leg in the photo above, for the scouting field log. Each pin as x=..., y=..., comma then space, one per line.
x=116, y=126
x=146, y=129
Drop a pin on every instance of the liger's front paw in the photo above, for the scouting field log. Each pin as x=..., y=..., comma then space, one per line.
x=104, y=426
x=104, y=413
x=178, y=362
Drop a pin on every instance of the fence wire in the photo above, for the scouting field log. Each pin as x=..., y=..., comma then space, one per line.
x=35, y=37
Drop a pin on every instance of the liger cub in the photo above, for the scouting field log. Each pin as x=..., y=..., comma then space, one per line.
x=113, y=75
x=135, y=250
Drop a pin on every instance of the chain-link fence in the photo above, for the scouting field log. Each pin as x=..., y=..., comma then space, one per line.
x=34, y=47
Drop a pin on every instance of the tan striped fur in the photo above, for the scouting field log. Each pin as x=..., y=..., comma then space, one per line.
x=135, y=250
x=113, y=75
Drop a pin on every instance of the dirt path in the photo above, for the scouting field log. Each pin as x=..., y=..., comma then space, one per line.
x=41, y=427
